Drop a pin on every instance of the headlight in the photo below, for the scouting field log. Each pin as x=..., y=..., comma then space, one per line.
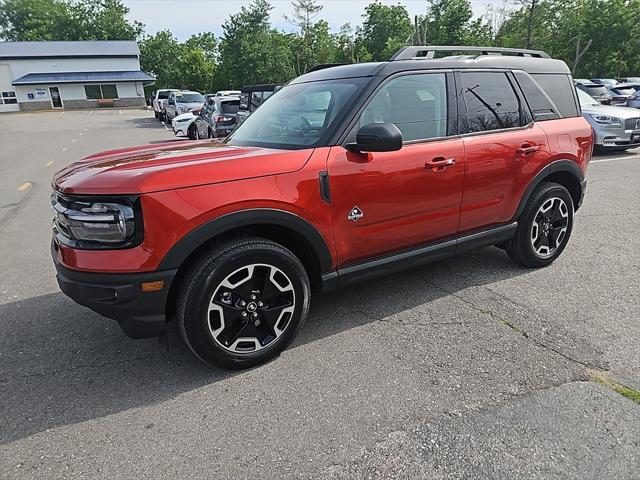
x=97, y=222
x=607, y=120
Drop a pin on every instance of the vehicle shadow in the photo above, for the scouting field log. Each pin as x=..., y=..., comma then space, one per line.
x=145, y=122
x=62, y=364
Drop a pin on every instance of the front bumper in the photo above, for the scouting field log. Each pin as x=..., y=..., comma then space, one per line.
x=119, y=296
x=611, y=137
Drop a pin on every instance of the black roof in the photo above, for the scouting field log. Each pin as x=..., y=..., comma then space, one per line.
x=534, y=62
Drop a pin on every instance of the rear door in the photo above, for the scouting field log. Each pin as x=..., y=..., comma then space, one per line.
x=383, y=202
x=503, y=147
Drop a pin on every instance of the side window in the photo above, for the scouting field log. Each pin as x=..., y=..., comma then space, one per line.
x=560, y=89
x=491, y=102
x=256, y=100
x=244, y=101
x=541, y=105
x=416, y=104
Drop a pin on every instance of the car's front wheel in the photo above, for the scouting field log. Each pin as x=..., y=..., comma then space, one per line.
x=193, y=132
x=544, y=227
x=243, y=303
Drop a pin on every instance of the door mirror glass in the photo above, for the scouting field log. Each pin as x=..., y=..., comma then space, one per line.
x=377, y=137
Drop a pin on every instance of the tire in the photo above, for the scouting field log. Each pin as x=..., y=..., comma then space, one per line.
x=210, y=133
x=549, y=209
x=155, y=114
x=193, y=132
x=243, y=303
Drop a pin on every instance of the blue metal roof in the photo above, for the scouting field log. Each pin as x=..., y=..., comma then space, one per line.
x=83, y=77
x=95, y=48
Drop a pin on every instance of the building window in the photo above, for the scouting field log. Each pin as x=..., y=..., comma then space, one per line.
x=8, y=98
x=98, y=92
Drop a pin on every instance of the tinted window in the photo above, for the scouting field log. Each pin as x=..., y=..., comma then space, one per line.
x=299, y=115
x=93, y=92
x=256, y=100
x=230, y=107
x=491, y=102
x=540, y=104
x=163, y=95
x=594, y=90
x=109, y=91
x=416, y=104
x=624, y=91
x=560, y=89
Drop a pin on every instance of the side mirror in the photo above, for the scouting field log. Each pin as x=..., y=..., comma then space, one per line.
x=377, y=137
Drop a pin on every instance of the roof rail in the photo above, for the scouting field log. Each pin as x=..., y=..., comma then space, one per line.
x=428, y=51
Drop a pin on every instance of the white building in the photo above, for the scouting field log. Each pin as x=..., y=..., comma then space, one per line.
x=46, y=75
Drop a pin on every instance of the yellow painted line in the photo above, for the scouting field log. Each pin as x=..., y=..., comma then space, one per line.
x=24, y=186
x=49, y=163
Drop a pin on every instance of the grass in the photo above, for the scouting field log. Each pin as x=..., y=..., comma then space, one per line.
x=623, y=390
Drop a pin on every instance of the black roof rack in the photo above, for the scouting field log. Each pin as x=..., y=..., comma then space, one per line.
x=428, y=51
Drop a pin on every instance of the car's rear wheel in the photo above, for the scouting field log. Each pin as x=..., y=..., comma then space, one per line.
x=544, y=227
x=243, y=303
x=155, y=114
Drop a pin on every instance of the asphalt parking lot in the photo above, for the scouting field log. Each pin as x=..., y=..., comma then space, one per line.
x=468, y=368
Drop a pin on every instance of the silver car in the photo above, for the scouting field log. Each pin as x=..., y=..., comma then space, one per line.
x=615, y=128
x=182, y=102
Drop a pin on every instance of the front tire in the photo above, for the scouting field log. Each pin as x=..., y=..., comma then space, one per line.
x=243, y=303
x=193, y=132
x=544, y=227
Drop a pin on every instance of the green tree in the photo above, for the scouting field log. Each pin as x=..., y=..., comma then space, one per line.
x=251, y=51
x=66, y=20
x=159, y=55
x=385, y=29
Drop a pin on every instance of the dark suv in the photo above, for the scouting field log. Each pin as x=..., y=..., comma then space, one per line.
x=345, y=173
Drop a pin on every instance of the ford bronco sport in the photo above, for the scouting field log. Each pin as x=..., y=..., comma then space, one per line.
x=346, y=173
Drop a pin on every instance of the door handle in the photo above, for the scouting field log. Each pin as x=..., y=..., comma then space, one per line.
x=527, y=149
x=438, y=164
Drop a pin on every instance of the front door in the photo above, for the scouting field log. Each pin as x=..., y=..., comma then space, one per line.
x=388, y=201
x=56, y=100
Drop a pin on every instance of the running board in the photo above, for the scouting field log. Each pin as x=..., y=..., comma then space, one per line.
x=417, y=256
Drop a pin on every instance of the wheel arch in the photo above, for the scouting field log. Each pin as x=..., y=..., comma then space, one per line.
x=564, y=172
x=285, y=228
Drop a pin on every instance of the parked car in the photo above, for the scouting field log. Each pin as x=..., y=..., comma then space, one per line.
x=252, y=96
x=634, y=80
x=595, y=90
x=616, y=128
x=228, y=93
x=344, y=174
x=621, y=93
x=605, y=81
x=218, y=117
x=634, y=99
x=182, y=102
x=160, y=100
x=184, y=125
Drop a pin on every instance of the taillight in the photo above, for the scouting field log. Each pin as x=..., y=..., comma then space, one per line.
x=222, y=118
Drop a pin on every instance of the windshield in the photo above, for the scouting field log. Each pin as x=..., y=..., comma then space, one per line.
x=297, y=116
x=598, y=90
x=189, y=98
x=586, y=100
x=624, y=91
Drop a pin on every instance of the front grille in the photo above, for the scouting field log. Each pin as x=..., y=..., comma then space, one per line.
x=632, y=123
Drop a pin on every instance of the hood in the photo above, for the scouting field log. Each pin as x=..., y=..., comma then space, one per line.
x=166, y=166
x=612, y=111
x=184, y=116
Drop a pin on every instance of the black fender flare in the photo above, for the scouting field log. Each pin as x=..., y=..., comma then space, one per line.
x=567, y=166
x=245, y=218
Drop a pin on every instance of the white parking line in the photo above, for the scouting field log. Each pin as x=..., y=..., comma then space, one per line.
x=603, y=160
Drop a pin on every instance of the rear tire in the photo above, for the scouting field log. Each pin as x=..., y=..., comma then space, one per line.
x=243, y=303
x=544, y=227
x=155, y=114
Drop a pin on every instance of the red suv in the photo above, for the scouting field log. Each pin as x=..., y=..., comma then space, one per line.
x=346, y=173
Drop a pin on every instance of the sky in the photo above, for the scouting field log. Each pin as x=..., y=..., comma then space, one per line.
x=184, y=17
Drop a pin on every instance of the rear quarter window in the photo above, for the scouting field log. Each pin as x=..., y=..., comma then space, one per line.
x=560, y=89
x=542, y=107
